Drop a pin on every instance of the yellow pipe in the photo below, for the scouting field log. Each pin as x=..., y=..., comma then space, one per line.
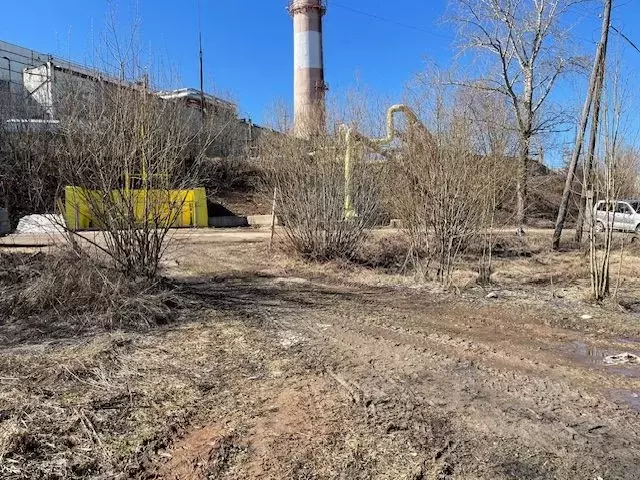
x=349, y=211
x=350, y=138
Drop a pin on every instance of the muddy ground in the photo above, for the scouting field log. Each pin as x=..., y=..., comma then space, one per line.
x=280, y=370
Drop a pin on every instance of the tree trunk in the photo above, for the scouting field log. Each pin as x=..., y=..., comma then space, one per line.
x=521, y=184
x=526, y=132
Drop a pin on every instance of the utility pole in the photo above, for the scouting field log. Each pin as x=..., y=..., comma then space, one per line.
x=577, y=149
x=201, y=64
x=586, y=196
x=202, y=82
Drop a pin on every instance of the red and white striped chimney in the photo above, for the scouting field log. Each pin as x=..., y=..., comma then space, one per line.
x=309, y=85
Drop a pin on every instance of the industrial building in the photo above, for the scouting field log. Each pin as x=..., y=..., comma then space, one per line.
x=14, y=102
x=38, y=91
x=33, y=84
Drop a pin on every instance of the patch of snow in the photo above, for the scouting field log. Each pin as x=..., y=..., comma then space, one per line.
x=622, y=359
x=41, y=224
x=290, y=338
x=293, y=280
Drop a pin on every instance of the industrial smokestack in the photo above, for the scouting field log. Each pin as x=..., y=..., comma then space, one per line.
x=309, y=86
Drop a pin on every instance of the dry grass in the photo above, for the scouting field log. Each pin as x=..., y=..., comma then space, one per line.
x=61, y=294
x=244, y=403
x=527, y=264
x=521, y=264
x=82, y=410
x=387, y=252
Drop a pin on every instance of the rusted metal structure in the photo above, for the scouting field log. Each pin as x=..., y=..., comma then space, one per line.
x=309, y=84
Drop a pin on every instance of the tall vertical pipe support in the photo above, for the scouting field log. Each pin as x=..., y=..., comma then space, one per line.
x=309, y=84
x=351, y=137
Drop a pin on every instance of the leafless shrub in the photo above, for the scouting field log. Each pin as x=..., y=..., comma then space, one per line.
x=445, y=191
x=129, y=150
x=388, y=252
x=224, y=175
x=600, y=249
x=608, y=186
x=29, y=179
x=309, y=178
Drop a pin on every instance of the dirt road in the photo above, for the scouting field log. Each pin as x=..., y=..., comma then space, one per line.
x=283, y=373
x=211, y=235
x=398, y=384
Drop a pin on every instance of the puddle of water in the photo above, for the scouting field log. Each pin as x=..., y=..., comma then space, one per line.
x=632, y=399
x=587, y=353
x=631, y=371
x=595, y=355
x=628, y=340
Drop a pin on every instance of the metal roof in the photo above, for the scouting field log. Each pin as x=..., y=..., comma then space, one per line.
x=192, y=93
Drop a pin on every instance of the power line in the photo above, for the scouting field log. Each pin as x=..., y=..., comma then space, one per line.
x=622, y=4
x=626, y=38
x=391, y=21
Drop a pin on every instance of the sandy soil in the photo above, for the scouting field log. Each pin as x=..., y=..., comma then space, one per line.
x=285, y=370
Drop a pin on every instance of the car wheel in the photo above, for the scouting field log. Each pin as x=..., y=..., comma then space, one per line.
x=599, y=228
x=638, y=229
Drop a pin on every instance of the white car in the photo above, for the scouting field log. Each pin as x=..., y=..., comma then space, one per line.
x=621, y=215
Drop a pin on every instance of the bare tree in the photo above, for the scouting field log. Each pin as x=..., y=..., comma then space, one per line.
x=609, y=183
x=444, y=186
x=600, y=248
x=491, y=117
x=524, y=40
x=309, y=178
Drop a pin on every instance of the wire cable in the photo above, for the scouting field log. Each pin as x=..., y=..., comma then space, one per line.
x=626, y=38
x=391, y=21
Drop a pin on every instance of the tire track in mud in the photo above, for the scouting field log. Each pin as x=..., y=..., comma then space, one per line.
x=536, y=398
x=438, y=373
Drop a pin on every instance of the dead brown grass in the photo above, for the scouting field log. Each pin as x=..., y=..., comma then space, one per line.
x=521, y=264
x=252, y=388
x=62, y=293
x=81, y=409
x=388, y=252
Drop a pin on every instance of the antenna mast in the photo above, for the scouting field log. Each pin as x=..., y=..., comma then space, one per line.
x=201, y=63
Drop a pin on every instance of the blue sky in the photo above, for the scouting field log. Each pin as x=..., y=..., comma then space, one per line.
x=247, y=44
x=377, y=44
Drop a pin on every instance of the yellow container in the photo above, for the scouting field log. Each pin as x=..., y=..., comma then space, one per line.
x=84, y=209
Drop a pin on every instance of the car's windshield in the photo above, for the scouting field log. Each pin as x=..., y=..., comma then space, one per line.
x=635, y=205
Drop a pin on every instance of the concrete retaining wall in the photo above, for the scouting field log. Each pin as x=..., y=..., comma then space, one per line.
x=233, y=221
